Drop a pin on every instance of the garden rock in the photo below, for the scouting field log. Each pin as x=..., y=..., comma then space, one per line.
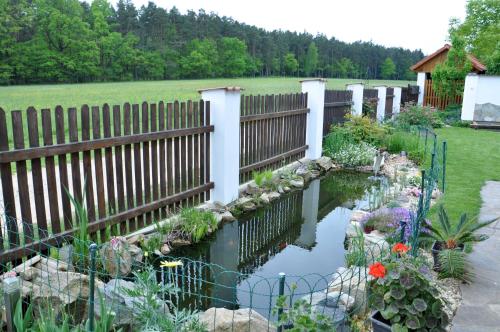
x=241, y=320
x=165, y=249
x=273, y=195
x=329, y=306
x=358, y=215
x=252, y=188
x=265, y=198
x=297, y=183
x=352, y=282
x=227, y=216
x=65, y=292
x=117, y=260
x=325, y=163
x=179, y=242
x=304, y=172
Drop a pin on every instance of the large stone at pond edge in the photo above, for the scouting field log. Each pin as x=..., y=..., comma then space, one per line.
x=351, y=281
x=273, y=195
x=328, y=305
x=241, y=320
x=119, y=256
x=64, y=291
x=304, y=172
x=358, y=215
x=297, y=183
x=325, y=163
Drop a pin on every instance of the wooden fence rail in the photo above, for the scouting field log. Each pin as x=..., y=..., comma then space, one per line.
x=337, y=105
x=272, y=131
x=370, y=102
x=131, y=166
x=409, y=94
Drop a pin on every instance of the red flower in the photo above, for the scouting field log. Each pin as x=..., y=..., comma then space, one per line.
x=377, y=270
x=400, y=248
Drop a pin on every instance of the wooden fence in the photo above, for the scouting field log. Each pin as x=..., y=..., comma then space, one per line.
x=272, y=131
x=130, y=170
x=370, y=101
x=431, y=98
x=409, y=94
x=389, y=103
x=337, y=105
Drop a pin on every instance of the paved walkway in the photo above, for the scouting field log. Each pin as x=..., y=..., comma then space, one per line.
x=480, y=309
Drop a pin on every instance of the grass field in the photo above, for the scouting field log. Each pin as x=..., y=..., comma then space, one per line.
x=75, y=95
x=473, y=158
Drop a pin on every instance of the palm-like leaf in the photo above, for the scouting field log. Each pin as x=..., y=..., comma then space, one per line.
x=454, y=264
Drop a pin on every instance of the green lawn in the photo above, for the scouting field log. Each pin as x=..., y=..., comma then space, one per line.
x=68, y=95
x=473, y=158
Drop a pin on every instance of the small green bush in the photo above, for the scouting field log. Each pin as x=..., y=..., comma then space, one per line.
x=197, y=223
x=404, y=141
x=414, y=115
x=362, y=128
x=264, y=178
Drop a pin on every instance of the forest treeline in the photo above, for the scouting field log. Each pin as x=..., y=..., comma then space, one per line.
x=58, y=41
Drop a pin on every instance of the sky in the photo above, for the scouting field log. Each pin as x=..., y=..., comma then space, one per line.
x=412, y=24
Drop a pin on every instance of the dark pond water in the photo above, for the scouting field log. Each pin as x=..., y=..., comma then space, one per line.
x=302, y=235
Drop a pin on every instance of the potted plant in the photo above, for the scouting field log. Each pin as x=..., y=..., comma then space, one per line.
x=449, y=237
x=402, y=297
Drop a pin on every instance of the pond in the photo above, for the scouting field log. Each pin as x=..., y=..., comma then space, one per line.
x=302, y=234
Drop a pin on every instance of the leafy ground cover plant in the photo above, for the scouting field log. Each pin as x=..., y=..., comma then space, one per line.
x=300, y=316
x=152, y=308
x=355, y=154
x=401, y=292
x=415, y=115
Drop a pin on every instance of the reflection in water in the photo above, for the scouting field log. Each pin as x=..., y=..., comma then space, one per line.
x=299, y=234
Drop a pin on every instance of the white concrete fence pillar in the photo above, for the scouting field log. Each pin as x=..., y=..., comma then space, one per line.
x=224, y=142
x=396, y=102
x=357, y=97
x=469, y=98
x=382, y=93
x=421, y=86
x=315, y=89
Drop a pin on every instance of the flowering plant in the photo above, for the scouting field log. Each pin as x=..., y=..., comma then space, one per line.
x=402, y=293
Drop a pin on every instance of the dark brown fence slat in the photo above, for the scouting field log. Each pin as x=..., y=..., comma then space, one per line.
x=202, y=149
x=137, y=166
x=120, y=186
x=154, y=160
x=189, y=124
x=55, y=222
x=196, y=151
x=75, y=156
x=170, y=157
x=337, y=106
x=129, y=177
x=87, y=165
x=162, y=159
x=108, y=158
x=63, y=170
x=207, y=151
x=146, y=160
x=22, y=177
x=99, y=171
x=183, y=159
x=177, y=153
x=36, y=172
x=7, y=189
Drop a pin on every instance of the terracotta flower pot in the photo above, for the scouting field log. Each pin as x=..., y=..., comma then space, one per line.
x=379, y=324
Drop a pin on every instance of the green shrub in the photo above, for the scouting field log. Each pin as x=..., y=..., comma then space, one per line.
x=362, y=128
x=197, y=223
x=414, y=115
x=263, y=179
x=336, y=140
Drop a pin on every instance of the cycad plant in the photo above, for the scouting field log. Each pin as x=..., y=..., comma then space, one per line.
x=452, y=237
